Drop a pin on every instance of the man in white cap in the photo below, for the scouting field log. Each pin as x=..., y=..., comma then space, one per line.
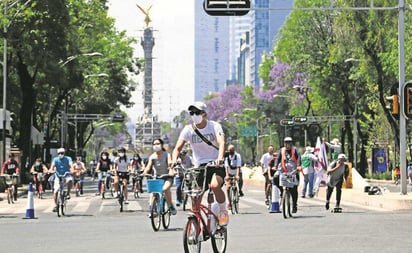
x=336, y=147
x=62, y=165
x=207, y=142
x=308, y=160
x=337, y=172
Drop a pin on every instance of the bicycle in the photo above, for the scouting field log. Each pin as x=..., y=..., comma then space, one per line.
x=137, y=185
x=61, y=195
x=287, y=181
x=38, y=180
x=185, y=187
x=159, y=212
x=11, y=181
x=103, y=183
x=202, y=222
x=234, y=195
x=76, y=185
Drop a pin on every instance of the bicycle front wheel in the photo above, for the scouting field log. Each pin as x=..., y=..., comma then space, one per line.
x=10, y=196
x=191, y=242
x=219, y=240
x=155, y=215
x=165, y=215
x=286, y=204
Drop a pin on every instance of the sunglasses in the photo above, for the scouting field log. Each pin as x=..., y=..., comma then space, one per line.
x=61, y=153
x=197, y=113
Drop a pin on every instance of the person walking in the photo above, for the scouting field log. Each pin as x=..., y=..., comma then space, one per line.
x=308, y=161
x=337, y=172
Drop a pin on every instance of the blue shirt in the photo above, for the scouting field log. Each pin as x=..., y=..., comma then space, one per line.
x=62, y=165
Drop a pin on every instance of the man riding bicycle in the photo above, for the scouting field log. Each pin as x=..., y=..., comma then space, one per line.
x=207, y=141
x=10, y=167
x=233, y=162
x=289, y=160
x=78, y=174
x=38, y=168
x=62, y=165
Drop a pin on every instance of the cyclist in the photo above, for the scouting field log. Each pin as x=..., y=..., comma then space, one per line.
x=186, y=161
x=204, y=152
x=264, y=163
x=160, y=162
x=289, y=159
x=79, y=171
x=233, y=161
x=10, y=167
x=38, y=167
x=136, y=165
x=62, y=164
x=103, y=165
x=122, y=170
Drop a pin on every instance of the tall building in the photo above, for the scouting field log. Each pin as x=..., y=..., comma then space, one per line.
x=211, y=52
x=265, y=25
x=238, y=26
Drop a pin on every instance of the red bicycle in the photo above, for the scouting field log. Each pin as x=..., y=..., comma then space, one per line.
x=202, y=222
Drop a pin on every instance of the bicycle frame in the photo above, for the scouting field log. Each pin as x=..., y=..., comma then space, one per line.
x=61, y=195
x=11, y=181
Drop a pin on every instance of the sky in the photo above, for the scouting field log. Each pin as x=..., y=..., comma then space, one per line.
x=173, y=52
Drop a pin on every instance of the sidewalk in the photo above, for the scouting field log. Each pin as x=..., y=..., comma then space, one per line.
x=388, y=201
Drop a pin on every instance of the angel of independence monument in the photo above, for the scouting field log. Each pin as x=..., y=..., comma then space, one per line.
x=148, y=127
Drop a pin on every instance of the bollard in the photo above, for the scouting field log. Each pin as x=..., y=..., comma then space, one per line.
x=30, y=203
x=275, y=200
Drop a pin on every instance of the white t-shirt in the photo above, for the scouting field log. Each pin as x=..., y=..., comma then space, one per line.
x=233, y=162
x=265, y=160
x=201, y=151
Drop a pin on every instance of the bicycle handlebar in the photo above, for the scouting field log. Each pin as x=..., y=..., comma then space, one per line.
x=60, y=176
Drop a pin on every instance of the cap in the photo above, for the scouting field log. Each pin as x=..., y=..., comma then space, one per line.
x=335, y=141
x=60, y=150
x=341, y=156
x=200, y=106
x=309, y=149
x=287, y=139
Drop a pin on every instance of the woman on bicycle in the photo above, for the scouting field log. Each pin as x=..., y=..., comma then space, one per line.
x=103, y=165
x=136, y=166
x=78, y=174
x=121, y=168
x=38, y=168
x=160, y=162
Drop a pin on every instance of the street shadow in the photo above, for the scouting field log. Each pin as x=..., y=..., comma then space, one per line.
x=171, y=230
x=78, y=215
x=6, y=216
x=248, y=213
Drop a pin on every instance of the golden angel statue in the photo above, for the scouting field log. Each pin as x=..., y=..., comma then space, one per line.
x=147, y=19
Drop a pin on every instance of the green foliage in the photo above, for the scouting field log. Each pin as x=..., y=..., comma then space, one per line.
x=380, y=176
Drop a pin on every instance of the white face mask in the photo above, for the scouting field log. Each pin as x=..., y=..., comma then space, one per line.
x=61, y=156
x=121, y=154
x=197, y=119
x=157, y=148
x=104, y=157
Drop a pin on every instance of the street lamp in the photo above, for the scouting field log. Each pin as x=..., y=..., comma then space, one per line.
x=71, y=58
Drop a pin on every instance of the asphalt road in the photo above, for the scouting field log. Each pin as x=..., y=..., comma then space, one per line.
x=96, y=225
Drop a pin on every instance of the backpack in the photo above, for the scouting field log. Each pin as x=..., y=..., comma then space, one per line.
x=305, y=161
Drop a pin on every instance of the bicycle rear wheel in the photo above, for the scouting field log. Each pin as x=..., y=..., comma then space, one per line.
x=155, y=215
x=165, y=215
x=40, y=190
x=235, y=200
x=121, y=198
x=233, y=194
x=219, y=240
x=191, y=242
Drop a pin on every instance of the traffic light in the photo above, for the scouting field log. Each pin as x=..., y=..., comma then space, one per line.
x=407, y=93
x=226, y=7
x=300, y=119
x=394, y=104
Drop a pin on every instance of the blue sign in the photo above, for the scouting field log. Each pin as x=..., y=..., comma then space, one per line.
x=379, y=160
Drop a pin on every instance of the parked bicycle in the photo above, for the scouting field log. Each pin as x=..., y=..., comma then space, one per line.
x=159, y=212
x=202, y=222
x=234, y=195
x=61, y=194
x=287, y=181
x=11, y=181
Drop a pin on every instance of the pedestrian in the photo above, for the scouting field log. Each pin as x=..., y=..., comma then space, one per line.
x=186, y=161
x=337, y=172
x=160, y=162
x=207, y=141
x=289, y=161
x=308, y=161
x=264, y=164
x=10, y=167
x=410, y=172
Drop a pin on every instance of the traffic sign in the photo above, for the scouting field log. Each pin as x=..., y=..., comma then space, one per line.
x=300, y=119
x=247, y=131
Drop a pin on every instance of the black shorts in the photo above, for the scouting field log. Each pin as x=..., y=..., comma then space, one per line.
x=219, y=171
x=123, y=175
